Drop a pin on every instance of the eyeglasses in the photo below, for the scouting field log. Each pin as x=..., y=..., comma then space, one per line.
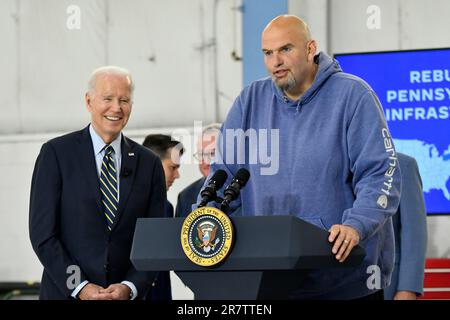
x=204, y=156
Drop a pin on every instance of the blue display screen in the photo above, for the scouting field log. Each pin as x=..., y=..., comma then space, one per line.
x=414, y=90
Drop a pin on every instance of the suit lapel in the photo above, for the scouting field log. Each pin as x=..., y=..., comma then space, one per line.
x=89, y=168
x=127, y=174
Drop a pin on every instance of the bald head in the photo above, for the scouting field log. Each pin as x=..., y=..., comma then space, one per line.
x=289, y=24
x=289, y=54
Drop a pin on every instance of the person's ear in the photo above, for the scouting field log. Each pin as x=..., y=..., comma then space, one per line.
x=88, y=100
x=311, y=50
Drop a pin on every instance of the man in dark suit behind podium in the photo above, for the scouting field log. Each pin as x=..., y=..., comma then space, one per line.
x=88, y=189
x=169, y=151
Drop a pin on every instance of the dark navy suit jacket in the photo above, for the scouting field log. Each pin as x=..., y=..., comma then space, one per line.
x=67, y=225
x=410, y=231
x=187, y=197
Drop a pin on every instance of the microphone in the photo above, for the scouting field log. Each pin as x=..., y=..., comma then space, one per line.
x=232, y=191
x=215, y=183
x=126, y=172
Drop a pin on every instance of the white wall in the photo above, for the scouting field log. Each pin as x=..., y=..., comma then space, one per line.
x=178, y=61
x=340, y=26
x=405, y=24
x=18, y=261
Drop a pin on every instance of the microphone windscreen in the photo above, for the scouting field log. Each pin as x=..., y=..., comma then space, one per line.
x=242, y=176
x=219, y=177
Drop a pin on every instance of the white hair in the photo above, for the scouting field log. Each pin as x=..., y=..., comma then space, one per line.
x=212, y=128
x=109, y=70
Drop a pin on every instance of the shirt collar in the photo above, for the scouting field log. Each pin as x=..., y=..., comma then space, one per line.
x=99, y=144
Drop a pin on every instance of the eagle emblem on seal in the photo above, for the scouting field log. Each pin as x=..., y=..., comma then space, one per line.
x=206, y=232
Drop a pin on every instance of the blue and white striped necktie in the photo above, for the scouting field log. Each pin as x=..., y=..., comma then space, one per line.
x=108, y=186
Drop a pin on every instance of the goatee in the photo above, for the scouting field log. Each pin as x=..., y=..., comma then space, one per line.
x=285, y=85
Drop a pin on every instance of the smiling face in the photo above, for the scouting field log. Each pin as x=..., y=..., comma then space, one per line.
x=289, y=55
x=109, y=105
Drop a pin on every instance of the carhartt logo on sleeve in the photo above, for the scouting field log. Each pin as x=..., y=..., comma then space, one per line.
x=382, y=201
x=389, y=146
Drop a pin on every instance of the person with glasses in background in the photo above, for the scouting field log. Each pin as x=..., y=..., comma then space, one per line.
x=206, y=149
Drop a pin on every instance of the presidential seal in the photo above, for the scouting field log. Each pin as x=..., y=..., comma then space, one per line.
x=207, y=236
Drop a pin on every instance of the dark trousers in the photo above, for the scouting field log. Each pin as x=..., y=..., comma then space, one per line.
x=379, y=295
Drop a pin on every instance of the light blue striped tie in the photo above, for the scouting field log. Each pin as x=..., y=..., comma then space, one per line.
x=108, y=186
